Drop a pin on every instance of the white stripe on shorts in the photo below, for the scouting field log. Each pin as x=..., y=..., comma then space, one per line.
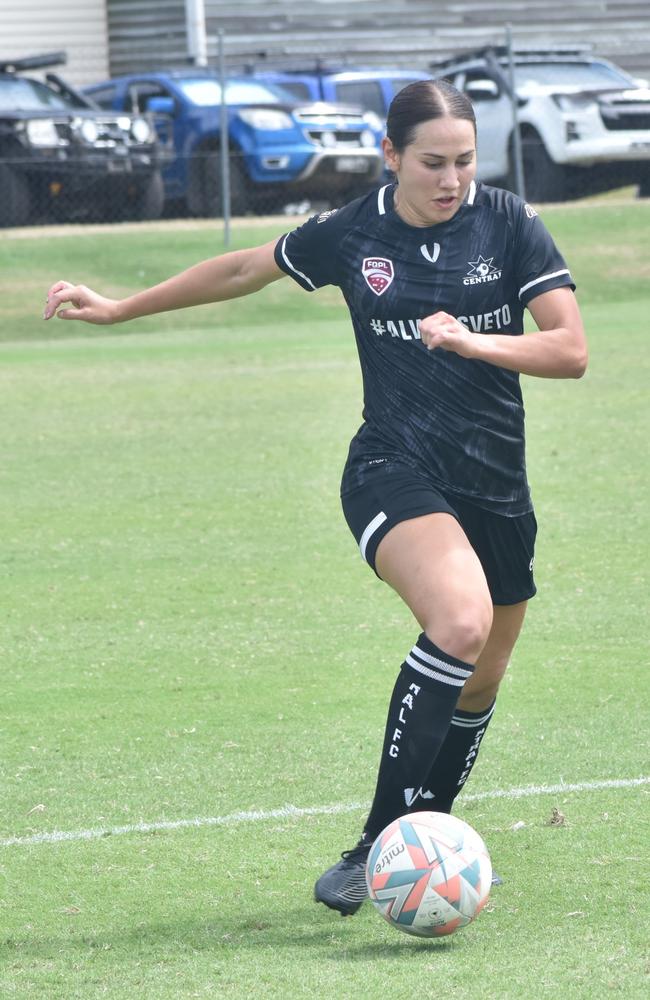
x=370, y=530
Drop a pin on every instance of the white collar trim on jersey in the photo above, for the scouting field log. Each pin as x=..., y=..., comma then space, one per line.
x=381, y=197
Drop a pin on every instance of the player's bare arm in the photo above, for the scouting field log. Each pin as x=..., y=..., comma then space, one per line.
x=558, y=349
x=214, y=280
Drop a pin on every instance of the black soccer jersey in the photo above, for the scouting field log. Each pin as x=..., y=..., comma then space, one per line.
x=459, y=420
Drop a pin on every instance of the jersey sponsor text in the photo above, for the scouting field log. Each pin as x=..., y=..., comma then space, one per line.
x=409, y=329
x=401, y=329
x=482, y=322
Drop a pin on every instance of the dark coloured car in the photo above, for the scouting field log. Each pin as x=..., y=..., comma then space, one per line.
x=63, y=157
x=280, y=150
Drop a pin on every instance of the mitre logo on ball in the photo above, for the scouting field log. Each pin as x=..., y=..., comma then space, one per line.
x=378, y=272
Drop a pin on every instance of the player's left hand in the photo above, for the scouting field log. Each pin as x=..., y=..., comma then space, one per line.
x=445, y=331
x=86, y=305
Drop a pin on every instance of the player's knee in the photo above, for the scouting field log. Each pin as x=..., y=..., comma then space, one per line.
x=475, y=697
x=482, y=687
x=464, y=630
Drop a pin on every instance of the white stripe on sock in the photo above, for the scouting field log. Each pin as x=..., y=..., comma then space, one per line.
x=434, y=674
x=435, y=661
x=472, y=723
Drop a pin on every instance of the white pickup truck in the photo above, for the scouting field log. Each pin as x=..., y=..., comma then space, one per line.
x=584, y=122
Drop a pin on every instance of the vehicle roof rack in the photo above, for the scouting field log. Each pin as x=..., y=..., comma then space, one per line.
x=297, y=65
x=521, y=53
x=33, y=62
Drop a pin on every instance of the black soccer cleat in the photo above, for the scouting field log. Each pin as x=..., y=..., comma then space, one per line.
x=343, y=886
x=496, y=879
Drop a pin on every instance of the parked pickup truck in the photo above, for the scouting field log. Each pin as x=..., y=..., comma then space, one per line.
x=61, y=156
x=280, y=149
x=373, y=88
x=584, y=122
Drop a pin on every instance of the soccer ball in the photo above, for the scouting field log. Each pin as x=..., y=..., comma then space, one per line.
x=429, y=874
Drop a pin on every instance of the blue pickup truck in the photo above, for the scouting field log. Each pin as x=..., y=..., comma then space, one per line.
x=281, y=149
x=372, y=89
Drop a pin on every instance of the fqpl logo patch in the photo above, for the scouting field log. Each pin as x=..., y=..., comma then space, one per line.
x=379, y=273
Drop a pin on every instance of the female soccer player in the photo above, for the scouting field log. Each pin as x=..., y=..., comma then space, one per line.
x=436, y=271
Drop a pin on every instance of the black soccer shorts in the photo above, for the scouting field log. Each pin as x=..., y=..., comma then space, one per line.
x=395, y=492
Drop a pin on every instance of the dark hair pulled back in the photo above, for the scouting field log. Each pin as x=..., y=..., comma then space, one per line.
x=423, y=101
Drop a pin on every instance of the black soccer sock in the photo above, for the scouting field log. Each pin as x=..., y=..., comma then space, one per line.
x=421, y=708
x=457, y=757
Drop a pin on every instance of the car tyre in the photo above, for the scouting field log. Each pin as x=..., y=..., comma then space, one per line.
x=544, y=179
x=204, y=198
x=150, y=198
x=15, y=205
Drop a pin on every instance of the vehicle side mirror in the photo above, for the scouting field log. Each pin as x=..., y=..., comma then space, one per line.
x=482, y=90
x=161, y=105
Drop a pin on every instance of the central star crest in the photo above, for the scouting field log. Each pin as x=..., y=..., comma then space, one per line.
x=482, y=267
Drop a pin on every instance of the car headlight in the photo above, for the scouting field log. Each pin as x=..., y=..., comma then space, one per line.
x=266, y=119
x=574, y=102
x=141, y=130
x=373, y=121
x=42, y=132
x=367, y=139
x=88, y=131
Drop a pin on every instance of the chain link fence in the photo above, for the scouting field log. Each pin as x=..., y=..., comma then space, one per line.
x=44, y=193
x=555, y=123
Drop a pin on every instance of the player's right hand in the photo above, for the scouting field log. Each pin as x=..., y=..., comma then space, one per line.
x=86, y=304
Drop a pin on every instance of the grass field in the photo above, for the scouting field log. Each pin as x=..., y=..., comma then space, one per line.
x=189, y=634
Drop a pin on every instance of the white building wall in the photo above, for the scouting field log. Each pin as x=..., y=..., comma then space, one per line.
x=79, y=27
x=414, y=33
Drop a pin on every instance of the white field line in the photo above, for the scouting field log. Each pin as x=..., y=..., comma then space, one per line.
x=289, y=812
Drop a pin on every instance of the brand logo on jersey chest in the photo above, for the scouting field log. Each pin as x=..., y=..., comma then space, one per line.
x=379, y=273
x=432, y=254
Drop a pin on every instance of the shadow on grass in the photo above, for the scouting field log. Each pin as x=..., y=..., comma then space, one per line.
x=322, y=933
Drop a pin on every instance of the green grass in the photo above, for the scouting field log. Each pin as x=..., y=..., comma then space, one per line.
x=188, y=631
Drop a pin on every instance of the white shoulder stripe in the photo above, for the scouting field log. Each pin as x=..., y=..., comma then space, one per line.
x=472, y=193
x=381, y=194
x=544, y=277
x=295, y=269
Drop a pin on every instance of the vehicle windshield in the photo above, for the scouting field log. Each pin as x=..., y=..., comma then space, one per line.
x=582, y=76
x=206, y=92
x=18, y=94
